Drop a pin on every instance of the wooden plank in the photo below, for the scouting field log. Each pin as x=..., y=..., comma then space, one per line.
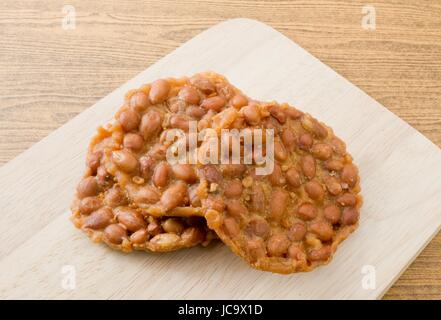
x=399, y=168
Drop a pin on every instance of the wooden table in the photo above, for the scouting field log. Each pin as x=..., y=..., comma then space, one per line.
x=48, y=73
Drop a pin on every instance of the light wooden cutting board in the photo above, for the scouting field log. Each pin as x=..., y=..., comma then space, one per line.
x=401, y=185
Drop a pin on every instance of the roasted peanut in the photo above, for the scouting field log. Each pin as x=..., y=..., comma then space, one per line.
x=174, y=196
x=179, y=122
x=184, y=172
x=150, y=124
x=90, y=204
x=133, y=141
x=214, y=202
x=165, y=239
x=293, y=177
x=307, y=211
x=313, y=126
x=305, y=141
x=129, y=120
x=295, y=252
x=297, y=232
x=161, y=174
x=139, y=236
x=332, y=213
x=334, y=165
x=193, y=195
x=289, y=138
x=314, y=190
x=322, y=253
x=146, y=165
x=349, y=174
x=115, y=197
x=321, y=151
x=276, y=178
x=93, y=160
x=256, y=249
x=173, y=225
x=236, y=208
x=278, y=245
x=189, y=95
x=212, y=174
x=349, y=216
x=233, y=170
x=257, y=198
x=215, y=103
x=251, y=114
x=202, y=84
x=333, y=185
x=102, y=176
x=195, y=112
x=338, y=146
x=293, y=113
x=308, y=166
x=238, y=101
x=278, y=113
x=139, y=101
x=231, y=227
x=233, y=189
x=192, y=235
x=280, y=152
x=322, y=229
x=278, y=203
x=130, y=218
x=347, y=200
x=176, y=105
x=114, y=233
x=99, y=219
x=159, y=91
x=259, y=227
x=154, y=228
x=87, y=187
x=125, y=160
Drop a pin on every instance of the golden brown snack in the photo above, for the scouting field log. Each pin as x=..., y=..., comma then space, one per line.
x=131, y=197
x=104, y=210
x=293, y=219
x=288, y=221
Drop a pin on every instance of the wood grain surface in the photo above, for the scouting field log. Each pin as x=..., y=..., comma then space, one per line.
x=49, y=74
